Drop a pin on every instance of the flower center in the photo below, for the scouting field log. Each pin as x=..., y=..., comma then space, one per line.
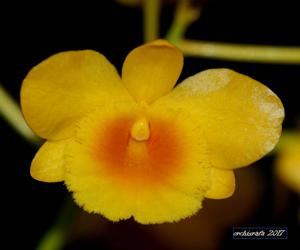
x=140, y=130
x=139, y=149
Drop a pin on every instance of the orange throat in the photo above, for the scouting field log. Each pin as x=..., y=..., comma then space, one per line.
x=139, y=150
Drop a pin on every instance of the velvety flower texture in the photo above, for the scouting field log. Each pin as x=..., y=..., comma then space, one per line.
x=137, y=146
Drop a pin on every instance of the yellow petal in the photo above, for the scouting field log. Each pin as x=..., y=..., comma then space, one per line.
x=48, y=163
x=164, y=204
x=223, y=184
x=61, y=89
x=151, y=70
x=161, y=178
x=241, y=117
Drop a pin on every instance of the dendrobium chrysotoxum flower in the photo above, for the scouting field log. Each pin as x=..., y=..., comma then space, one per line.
x=137, y=146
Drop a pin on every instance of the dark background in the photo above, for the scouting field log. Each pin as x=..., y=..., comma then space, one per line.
x=29, y=34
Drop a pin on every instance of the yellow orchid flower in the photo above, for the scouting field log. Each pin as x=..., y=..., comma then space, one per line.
x=288, y=160
x=137, y=146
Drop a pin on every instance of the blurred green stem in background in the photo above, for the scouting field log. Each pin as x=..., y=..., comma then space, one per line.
x=184, y=15
x=151, y=16
x=55, y=237
x=241, y=52
x=10, y=111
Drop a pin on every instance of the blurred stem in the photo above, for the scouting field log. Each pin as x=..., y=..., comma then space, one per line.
x=55, y=238
x=241, y=52
x=184, y=15
x=10, y=111
x=151, y=15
